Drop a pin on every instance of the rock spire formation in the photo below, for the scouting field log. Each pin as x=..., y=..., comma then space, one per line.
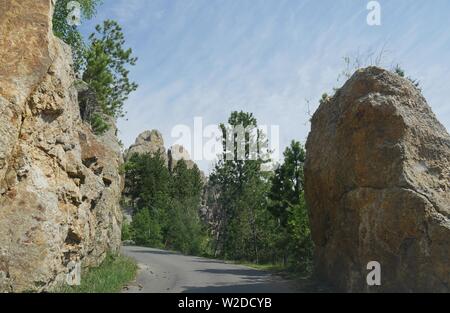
x=151, y=142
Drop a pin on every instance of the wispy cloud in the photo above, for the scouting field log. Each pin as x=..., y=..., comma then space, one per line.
x=208, y=57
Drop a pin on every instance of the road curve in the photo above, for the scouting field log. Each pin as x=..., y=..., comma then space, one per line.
x=169, y=272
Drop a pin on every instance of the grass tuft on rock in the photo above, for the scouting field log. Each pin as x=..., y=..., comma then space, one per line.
x=110, y=277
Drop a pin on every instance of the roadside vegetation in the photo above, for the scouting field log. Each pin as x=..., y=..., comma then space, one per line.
x=102, y=62
x=263, y=215
x=166, y=203
x=110, y=277
x=253, y=216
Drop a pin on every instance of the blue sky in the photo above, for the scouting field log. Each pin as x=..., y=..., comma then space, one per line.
x=206, y=58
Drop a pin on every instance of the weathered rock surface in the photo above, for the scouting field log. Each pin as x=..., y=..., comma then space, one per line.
x=378, y=186
x=59, y=184
x=177, y=153
x=149, y=142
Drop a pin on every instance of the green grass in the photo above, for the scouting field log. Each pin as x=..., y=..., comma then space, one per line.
x=110, y=277
x=279, y=269
x=302, y=280
x=265, y=267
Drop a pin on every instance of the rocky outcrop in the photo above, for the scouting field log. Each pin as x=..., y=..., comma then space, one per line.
x=152, y=143
x=149, y=142
x=59, y=183
x=377, y=183
x=177, y=153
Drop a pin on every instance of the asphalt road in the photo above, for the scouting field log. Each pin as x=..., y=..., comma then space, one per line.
x=169, y=272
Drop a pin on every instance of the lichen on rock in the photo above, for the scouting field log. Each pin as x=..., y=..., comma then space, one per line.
x=59, y=183
x=377, y=184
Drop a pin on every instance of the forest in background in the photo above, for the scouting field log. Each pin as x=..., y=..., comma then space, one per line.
x=242, y=213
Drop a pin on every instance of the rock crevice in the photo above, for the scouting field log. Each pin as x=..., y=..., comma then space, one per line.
x=49, y=227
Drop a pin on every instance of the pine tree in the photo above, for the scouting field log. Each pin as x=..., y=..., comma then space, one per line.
x=106, y=69
x=147, y=181
x=185, y=231
x=287, y=183
x=287, y=204
x=167, y=203
x=69, y=33
x=146, y=230
x=241, y=185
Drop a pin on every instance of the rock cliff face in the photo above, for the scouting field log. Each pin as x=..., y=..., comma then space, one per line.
x=378, y=186
x=59, y=183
